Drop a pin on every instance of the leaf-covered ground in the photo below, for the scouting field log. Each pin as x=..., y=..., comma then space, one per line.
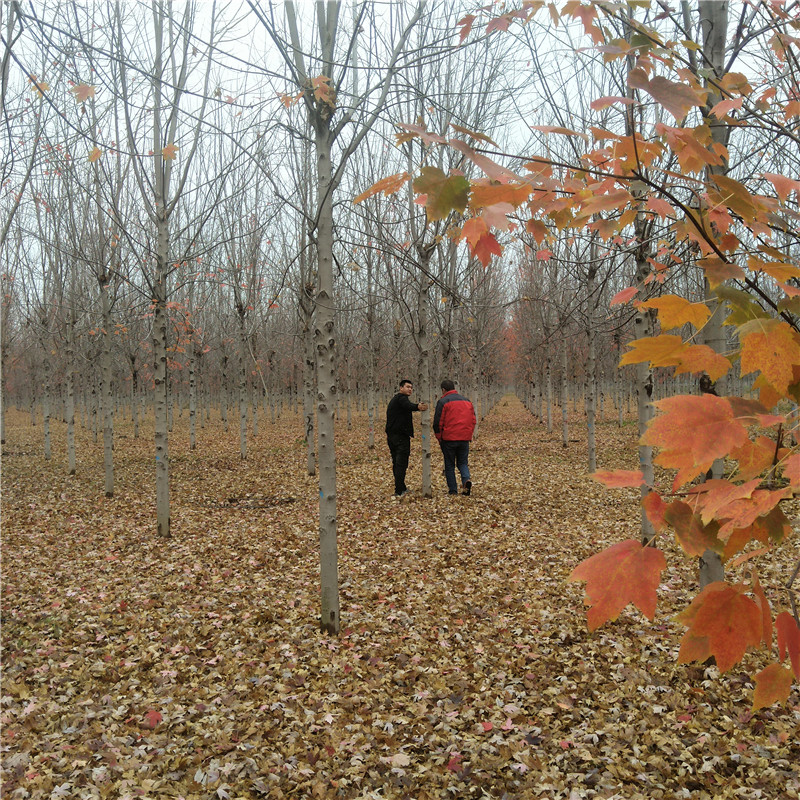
x=141, y=668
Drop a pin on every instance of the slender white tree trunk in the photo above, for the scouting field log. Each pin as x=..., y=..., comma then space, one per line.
x=325, y=341
x=423, y=342
x=714, y=26
x=106, y=392
x=309, y=386
x=564, y=396
x=591, y=363
x=160, y=391
x=242, y=363
x=192, y=397
x=371, y=355
x=46, y=408
x=70, y=387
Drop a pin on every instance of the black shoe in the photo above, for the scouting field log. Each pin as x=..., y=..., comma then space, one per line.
x=452, y=493
x=401, y=494
x=467, y=488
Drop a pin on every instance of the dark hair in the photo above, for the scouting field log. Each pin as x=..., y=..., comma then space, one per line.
x=404, y=382
x=448, y=385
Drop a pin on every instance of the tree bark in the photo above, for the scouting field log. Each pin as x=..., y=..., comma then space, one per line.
x=325, y=342
x=106, y=392
x=714, y=26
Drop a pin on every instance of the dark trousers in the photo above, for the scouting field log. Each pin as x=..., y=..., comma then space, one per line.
x=400, y=448
x=456, y=454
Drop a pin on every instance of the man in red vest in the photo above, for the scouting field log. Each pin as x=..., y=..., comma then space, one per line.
x=453, y=423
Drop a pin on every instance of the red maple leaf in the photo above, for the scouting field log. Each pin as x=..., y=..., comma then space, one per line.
x=486, y=247
x=623, y=573
x=152, y=718
x=788, y=640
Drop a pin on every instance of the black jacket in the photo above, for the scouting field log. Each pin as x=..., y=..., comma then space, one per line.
x=398, y=416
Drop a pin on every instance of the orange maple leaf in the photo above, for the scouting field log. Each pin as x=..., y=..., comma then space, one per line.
x=170, y=151
x=773, y=685
x=770, y=347
x=783, y=186
x=660, y=207
x=484, y=194
x=754, y=457
x=324, y=91
x=466, y=26
x=473, y=229
x=655, y=508
x=693, y=536
x=387, y=185
x=692, y=432
x=619, y=478
x=677, y=98
x=622, y=297
x=711, y=498
x=788, y=640
x=82, y=92
x=624, y=573
x=726, y=618
x=95, y=154
x=771, y=528
x=744, y=512
x=40, y=87
x=696, y=358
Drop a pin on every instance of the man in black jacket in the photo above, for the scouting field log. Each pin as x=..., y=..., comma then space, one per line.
x=399, y=431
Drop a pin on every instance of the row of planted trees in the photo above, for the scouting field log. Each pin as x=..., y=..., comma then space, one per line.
x=138, y=268
x=162, y=194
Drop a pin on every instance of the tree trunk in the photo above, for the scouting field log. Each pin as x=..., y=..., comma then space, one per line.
x=564, y=396
x=714, y=27
x=371, y=355
x=424, y=373
x=192, y=397
x=309, y=385
x=591, y=362
x=160, y=391
x=242, y=363
x=70, y=386
x=46, y=408
x=325, y=341
x=106, y=392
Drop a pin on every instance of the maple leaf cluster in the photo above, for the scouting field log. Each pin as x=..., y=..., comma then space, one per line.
x=727, y=223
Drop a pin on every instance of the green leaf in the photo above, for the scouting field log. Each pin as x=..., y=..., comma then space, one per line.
x=445, y=193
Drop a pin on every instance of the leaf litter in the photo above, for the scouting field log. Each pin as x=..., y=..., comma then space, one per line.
x=194, y=667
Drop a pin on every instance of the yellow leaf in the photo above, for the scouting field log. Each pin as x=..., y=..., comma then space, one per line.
x=95, y=154
x=674, y=311
x=660, y=351
x=170, y=151
x=40, y=87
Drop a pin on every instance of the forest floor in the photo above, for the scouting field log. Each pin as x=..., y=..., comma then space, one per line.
x=194, y=667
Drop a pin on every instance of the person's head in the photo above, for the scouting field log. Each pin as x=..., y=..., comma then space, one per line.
x=406, y=386
x=448, y=385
